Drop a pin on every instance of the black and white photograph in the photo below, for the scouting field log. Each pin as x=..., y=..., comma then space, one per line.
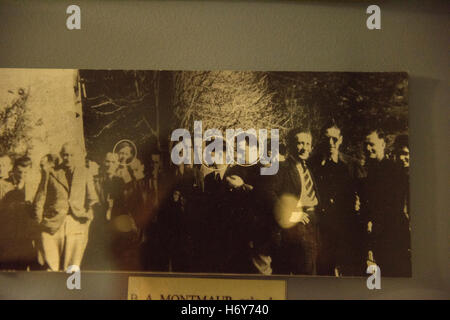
x=205, y=172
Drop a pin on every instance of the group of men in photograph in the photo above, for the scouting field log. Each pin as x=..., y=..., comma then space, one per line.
x=348, y=215
x=323, y=213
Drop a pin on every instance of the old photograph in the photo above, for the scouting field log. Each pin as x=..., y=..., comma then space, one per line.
x=205, y=172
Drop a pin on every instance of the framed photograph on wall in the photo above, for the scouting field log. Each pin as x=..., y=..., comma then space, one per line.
x=205, y=172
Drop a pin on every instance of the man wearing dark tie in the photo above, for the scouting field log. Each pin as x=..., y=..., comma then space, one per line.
x=296, y=200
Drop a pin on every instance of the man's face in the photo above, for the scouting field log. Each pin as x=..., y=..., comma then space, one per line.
x=125, y=154
x=68, y=155
x=5, y=167
x=176, y=196
x=304, y=145
x=110, y=163
x=333, y=139
x=374, y=146
x=21, y=173
x=403, y=156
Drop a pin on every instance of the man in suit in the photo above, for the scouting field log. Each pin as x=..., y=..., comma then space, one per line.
x=402, y=241
x=338, y=225
x=216, y=207
x=17, y=230
x=178, y=220
x=109, y=187
x=63, y=208
x=221, y=207
x=296, y=209
x=378, y=201
x=253, y=225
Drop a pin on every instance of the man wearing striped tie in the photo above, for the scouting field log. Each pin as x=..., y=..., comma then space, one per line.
x=295, y=209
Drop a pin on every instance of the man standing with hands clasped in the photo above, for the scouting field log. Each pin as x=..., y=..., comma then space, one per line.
x=63, y=209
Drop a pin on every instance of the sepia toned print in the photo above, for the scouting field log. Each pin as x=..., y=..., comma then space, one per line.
x=87, y=175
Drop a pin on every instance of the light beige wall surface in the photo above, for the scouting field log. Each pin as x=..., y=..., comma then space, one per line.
x=262, y=35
